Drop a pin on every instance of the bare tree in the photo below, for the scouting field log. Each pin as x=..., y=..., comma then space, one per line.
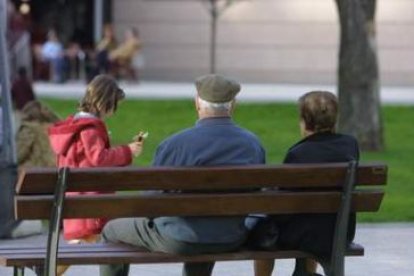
x=360, y=111
x=215, y=9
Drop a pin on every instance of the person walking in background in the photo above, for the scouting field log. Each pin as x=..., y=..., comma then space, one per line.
x=122, y=57
x=52, y=51
x=320, y=144
x=128, y=48
x=22, y=93
x=104, y=47
x=22, y=90
x=215, y=140
x=108, y=42
x=81, y=141
x=16, y=24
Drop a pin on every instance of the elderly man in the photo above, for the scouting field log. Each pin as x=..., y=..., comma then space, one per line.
x=215, y=140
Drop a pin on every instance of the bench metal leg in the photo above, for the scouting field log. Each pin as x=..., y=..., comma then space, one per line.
x=18, y=271
x=336, y=264
x=55, y=223
x=38, y=270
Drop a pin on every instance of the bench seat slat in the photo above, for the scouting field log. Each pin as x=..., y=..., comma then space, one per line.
x=69, y=250
x=115, y=205
x=67, y=247
x=43, y=180
x=137, y=256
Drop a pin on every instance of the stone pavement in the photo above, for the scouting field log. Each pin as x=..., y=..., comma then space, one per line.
x=250, y=92
x=389, y=250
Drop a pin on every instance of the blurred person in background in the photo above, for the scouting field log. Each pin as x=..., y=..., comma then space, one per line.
x=22, y=93
x=104, y=47
x=128, y=48
x=121, y=58
x=16, y=23
x=52, y=51
x=22, y=90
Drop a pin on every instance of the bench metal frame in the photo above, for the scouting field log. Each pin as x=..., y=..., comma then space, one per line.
x=55, y=224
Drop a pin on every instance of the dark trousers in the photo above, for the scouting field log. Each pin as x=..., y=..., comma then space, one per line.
x=58, y=65
x=102, y=60
x=311, y=232
x=142, y=232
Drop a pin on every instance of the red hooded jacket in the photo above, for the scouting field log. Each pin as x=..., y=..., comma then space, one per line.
x=84, y=143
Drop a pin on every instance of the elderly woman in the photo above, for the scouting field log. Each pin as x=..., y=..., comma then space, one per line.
x=320, y=144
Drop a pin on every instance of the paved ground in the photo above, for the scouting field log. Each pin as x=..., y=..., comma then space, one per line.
x=250, y=92
x=389, y=250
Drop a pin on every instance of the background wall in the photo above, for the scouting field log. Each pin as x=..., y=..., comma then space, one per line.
x=288, y=41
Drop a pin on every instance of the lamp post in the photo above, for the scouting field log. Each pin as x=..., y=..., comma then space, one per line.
x=98, y=15
x=8, y=152
x=8, y=173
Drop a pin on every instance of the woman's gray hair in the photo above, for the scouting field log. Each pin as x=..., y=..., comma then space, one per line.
x=215, y=107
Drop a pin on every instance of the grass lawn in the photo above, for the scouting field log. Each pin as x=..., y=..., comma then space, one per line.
x=276, y=125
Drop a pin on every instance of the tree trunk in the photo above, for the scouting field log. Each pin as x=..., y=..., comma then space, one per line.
x=358, y=80
x=215, y=10
x=214, y=13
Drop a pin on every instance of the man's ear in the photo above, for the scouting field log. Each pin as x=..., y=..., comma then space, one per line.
x=197, y=105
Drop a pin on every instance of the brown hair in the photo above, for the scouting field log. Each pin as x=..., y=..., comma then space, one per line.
x=36, y=111
x=102, y=95
x=319, y=110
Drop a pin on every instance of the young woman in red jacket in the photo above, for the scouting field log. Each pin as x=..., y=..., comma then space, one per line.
x=82, y=141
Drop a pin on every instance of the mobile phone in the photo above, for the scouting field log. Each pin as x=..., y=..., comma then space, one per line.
x=140, y=138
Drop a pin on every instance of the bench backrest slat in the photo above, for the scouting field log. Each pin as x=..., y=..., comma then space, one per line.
x=43, y=181
x=113, y=206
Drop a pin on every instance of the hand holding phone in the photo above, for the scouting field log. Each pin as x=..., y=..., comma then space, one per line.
x=137, y=144
x=141, y=136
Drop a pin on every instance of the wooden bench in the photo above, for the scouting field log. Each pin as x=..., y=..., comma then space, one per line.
x=220, y=191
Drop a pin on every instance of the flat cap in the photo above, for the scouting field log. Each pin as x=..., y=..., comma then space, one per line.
x=216, y=88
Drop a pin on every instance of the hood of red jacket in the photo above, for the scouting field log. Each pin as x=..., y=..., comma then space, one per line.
x=63, y=133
